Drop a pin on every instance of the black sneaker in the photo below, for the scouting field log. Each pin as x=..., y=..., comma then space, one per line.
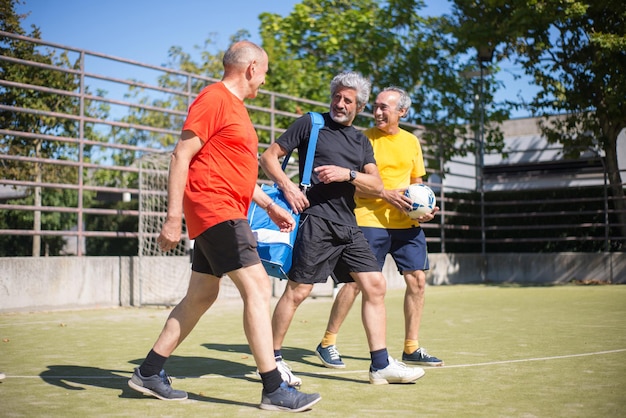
x=287, y=398
x=158, y=386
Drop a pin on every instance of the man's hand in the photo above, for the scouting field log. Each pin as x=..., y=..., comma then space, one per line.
x=429, y=216
x=397, y=199
x=297, y=200
x=332, y=174
x=170, y=234
x=281, y=218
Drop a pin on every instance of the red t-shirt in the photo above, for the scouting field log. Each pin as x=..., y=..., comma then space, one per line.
x=222, y=175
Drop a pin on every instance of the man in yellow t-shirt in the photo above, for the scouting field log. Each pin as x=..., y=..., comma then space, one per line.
x=388, y=228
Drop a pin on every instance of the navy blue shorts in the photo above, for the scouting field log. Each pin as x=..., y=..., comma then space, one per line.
x=406, y=246
x=321, y=244
x=225, y=247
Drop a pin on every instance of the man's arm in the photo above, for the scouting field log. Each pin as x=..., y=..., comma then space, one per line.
x=186, y=147
x=271, y=166
x=277, y=214
x=367, y=181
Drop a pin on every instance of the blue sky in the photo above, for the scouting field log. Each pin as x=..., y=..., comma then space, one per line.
x=144, y=30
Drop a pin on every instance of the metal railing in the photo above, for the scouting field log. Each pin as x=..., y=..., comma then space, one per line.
x=90, y=146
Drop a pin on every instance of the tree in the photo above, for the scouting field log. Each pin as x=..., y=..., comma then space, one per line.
x=23, y=143
x=392, y=45
x=575, y=50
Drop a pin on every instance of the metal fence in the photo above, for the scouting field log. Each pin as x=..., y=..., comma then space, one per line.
x=78, y=123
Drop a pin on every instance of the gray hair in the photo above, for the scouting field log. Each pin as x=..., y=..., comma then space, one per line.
x=241, y=53
x=404, y=102
x=352, y=80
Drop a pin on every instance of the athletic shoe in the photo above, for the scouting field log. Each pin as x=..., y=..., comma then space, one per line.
x=329, y=356
x=422, y=358
x=158, y=386
x=287, y=398
x=396, y=372
x=286, y=374
x=2, y=376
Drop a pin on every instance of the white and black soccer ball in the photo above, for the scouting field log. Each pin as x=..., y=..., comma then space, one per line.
x=423, y=200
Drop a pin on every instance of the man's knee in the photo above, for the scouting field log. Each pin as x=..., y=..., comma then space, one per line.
x=415, y=281
x=350, y=289
x=372, y=284
x=296, y=293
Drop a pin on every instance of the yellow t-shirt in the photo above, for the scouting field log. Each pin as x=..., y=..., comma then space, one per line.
x=399, y=158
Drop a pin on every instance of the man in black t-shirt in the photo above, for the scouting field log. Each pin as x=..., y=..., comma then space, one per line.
x=328, y=232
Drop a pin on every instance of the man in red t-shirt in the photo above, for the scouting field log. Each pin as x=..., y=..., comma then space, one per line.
x=212, y=177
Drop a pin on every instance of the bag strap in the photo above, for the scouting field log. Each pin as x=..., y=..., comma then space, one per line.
x=317, y=121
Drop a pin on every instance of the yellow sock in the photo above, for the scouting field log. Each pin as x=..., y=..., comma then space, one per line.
x=410, y=346
x=329, y=339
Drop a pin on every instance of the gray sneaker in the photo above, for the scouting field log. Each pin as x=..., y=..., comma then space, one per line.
x=287, y=398
x=158, y=386
x=396, y=372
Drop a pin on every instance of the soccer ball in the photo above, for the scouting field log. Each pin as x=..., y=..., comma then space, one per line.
x=423, y=200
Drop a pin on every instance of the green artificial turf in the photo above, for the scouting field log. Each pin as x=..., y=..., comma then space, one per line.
x=510, y=351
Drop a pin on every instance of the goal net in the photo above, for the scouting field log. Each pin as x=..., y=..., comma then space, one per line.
x=163, y=276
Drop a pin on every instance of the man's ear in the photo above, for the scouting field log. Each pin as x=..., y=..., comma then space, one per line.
x=251, y=69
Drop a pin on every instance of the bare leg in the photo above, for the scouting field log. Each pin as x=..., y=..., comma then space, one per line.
x=255, y=288
x=201, y=294
x=341, y=306
x=413, y=303
x=293, y=296
x=373, y=313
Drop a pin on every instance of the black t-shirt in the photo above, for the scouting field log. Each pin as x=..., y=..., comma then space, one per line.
x=343, y=146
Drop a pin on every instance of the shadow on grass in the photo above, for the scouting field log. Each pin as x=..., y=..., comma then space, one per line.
x=75, y=378
x=291, y=355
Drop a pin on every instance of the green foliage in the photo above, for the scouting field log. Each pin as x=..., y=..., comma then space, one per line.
x=44, y=131
x=21, y=245
x=390, y=43
x=96, y=246
x=574, y=50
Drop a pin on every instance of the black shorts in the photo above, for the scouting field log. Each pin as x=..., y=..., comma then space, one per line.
x=225, y=247
x=321, y=244
x=406, y=246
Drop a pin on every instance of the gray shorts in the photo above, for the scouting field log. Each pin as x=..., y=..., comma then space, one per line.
x=321, y=244
x=225, y=247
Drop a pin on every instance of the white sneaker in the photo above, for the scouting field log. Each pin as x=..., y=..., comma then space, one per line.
x=2, y=376
x=287, y=375
x=396, y=372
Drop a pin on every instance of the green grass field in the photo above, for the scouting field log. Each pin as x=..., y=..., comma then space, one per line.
x=510, y=351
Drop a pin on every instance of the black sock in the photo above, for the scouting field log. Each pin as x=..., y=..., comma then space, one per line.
x=271, y=380
x=153, y=364
x=379, y=359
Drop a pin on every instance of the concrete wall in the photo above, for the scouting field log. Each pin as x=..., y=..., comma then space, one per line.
x=47, y=283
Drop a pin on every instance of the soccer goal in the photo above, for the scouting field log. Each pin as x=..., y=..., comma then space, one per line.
x=163, y=277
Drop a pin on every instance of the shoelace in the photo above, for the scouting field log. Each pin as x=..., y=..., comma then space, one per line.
x=284, y=364
x=424, y=354
x=334, y=354
x=165, y=378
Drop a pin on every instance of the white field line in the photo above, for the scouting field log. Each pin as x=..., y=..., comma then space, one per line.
x=337, y=372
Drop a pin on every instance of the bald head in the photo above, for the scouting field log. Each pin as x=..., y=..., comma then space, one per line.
x=241, y=54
